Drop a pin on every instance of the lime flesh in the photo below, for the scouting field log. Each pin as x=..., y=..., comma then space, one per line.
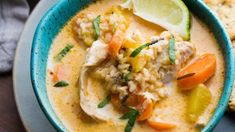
x=172, y=15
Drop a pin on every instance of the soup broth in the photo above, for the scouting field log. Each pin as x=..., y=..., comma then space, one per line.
x=65, y=101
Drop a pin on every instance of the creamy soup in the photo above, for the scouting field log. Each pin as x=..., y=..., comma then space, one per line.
x=66, y=100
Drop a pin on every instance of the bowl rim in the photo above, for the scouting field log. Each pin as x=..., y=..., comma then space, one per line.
x=220, y=109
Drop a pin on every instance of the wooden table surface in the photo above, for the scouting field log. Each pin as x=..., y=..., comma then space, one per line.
x=9, y=116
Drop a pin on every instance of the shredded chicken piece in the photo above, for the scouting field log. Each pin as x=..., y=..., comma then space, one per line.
x=97, y=53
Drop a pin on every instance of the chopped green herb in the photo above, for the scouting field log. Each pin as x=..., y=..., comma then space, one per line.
x=126, y=77
x=104, y=102
x=63, y=52
x=185, y=76
x=139, y=49
x=96, y=24
x=131, y=116
x=61, y=84
x=171, y=50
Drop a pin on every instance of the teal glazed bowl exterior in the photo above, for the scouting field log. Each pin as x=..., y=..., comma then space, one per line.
x=64, y=10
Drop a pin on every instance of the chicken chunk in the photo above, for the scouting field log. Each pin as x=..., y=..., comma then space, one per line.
x=183, y=50
x=97, y=53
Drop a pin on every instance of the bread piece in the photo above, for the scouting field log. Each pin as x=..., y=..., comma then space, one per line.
x=225, y=9
x=232, y=98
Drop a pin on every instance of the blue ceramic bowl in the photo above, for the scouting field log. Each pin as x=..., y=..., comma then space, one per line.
x=61, y=13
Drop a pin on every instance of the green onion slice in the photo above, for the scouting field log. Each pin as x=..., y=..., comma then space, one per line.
x=104, y=102
x=63, y=52
x=96, y=24
x=171, y=50
x=61, y=84
x=139, y=49
x=131, y=116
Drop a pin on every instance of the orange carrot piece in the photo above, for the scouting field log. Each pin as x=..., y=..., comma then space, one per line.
x=143, y=105
x=157, y=125
x=145, y=109
x=201, y=70
x=61, y=72
x=115, y=101
x=116, y=42
x=132, y=100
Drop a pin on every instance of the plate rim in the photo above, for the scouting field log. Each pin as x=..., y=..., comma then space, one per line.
x=15, y=70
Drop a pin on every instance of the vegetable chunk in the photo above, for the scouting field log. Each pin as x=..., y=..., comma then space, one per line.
x=199, y=99
x=203, y=68
x=116, y=43
x=97, y=53
x=159, y=125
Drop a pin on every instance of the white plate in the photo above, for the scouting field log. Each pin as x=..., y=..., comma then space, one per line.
x=30, y=112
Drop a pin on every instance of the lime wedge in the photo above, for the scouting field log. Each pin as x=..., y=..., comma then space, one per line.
x=199, y=98
x=172, y=15
x=127, y=4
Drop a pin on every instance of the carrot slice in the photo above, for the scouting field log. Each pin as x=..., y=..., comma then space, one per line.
x=133, y=100
x=143, y=105
x=201, y=70
x=61, y=72
x=145, y=109
x=157, y=125
x=116, y=42
x=116, y=101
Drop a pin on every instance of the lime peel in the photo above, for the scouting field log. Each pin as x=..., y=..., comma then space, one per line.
x=172, y=15
x=128, y=4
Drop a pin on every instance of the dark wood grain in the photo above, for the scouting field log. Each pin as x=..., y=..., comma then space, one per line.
x=9, y=117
